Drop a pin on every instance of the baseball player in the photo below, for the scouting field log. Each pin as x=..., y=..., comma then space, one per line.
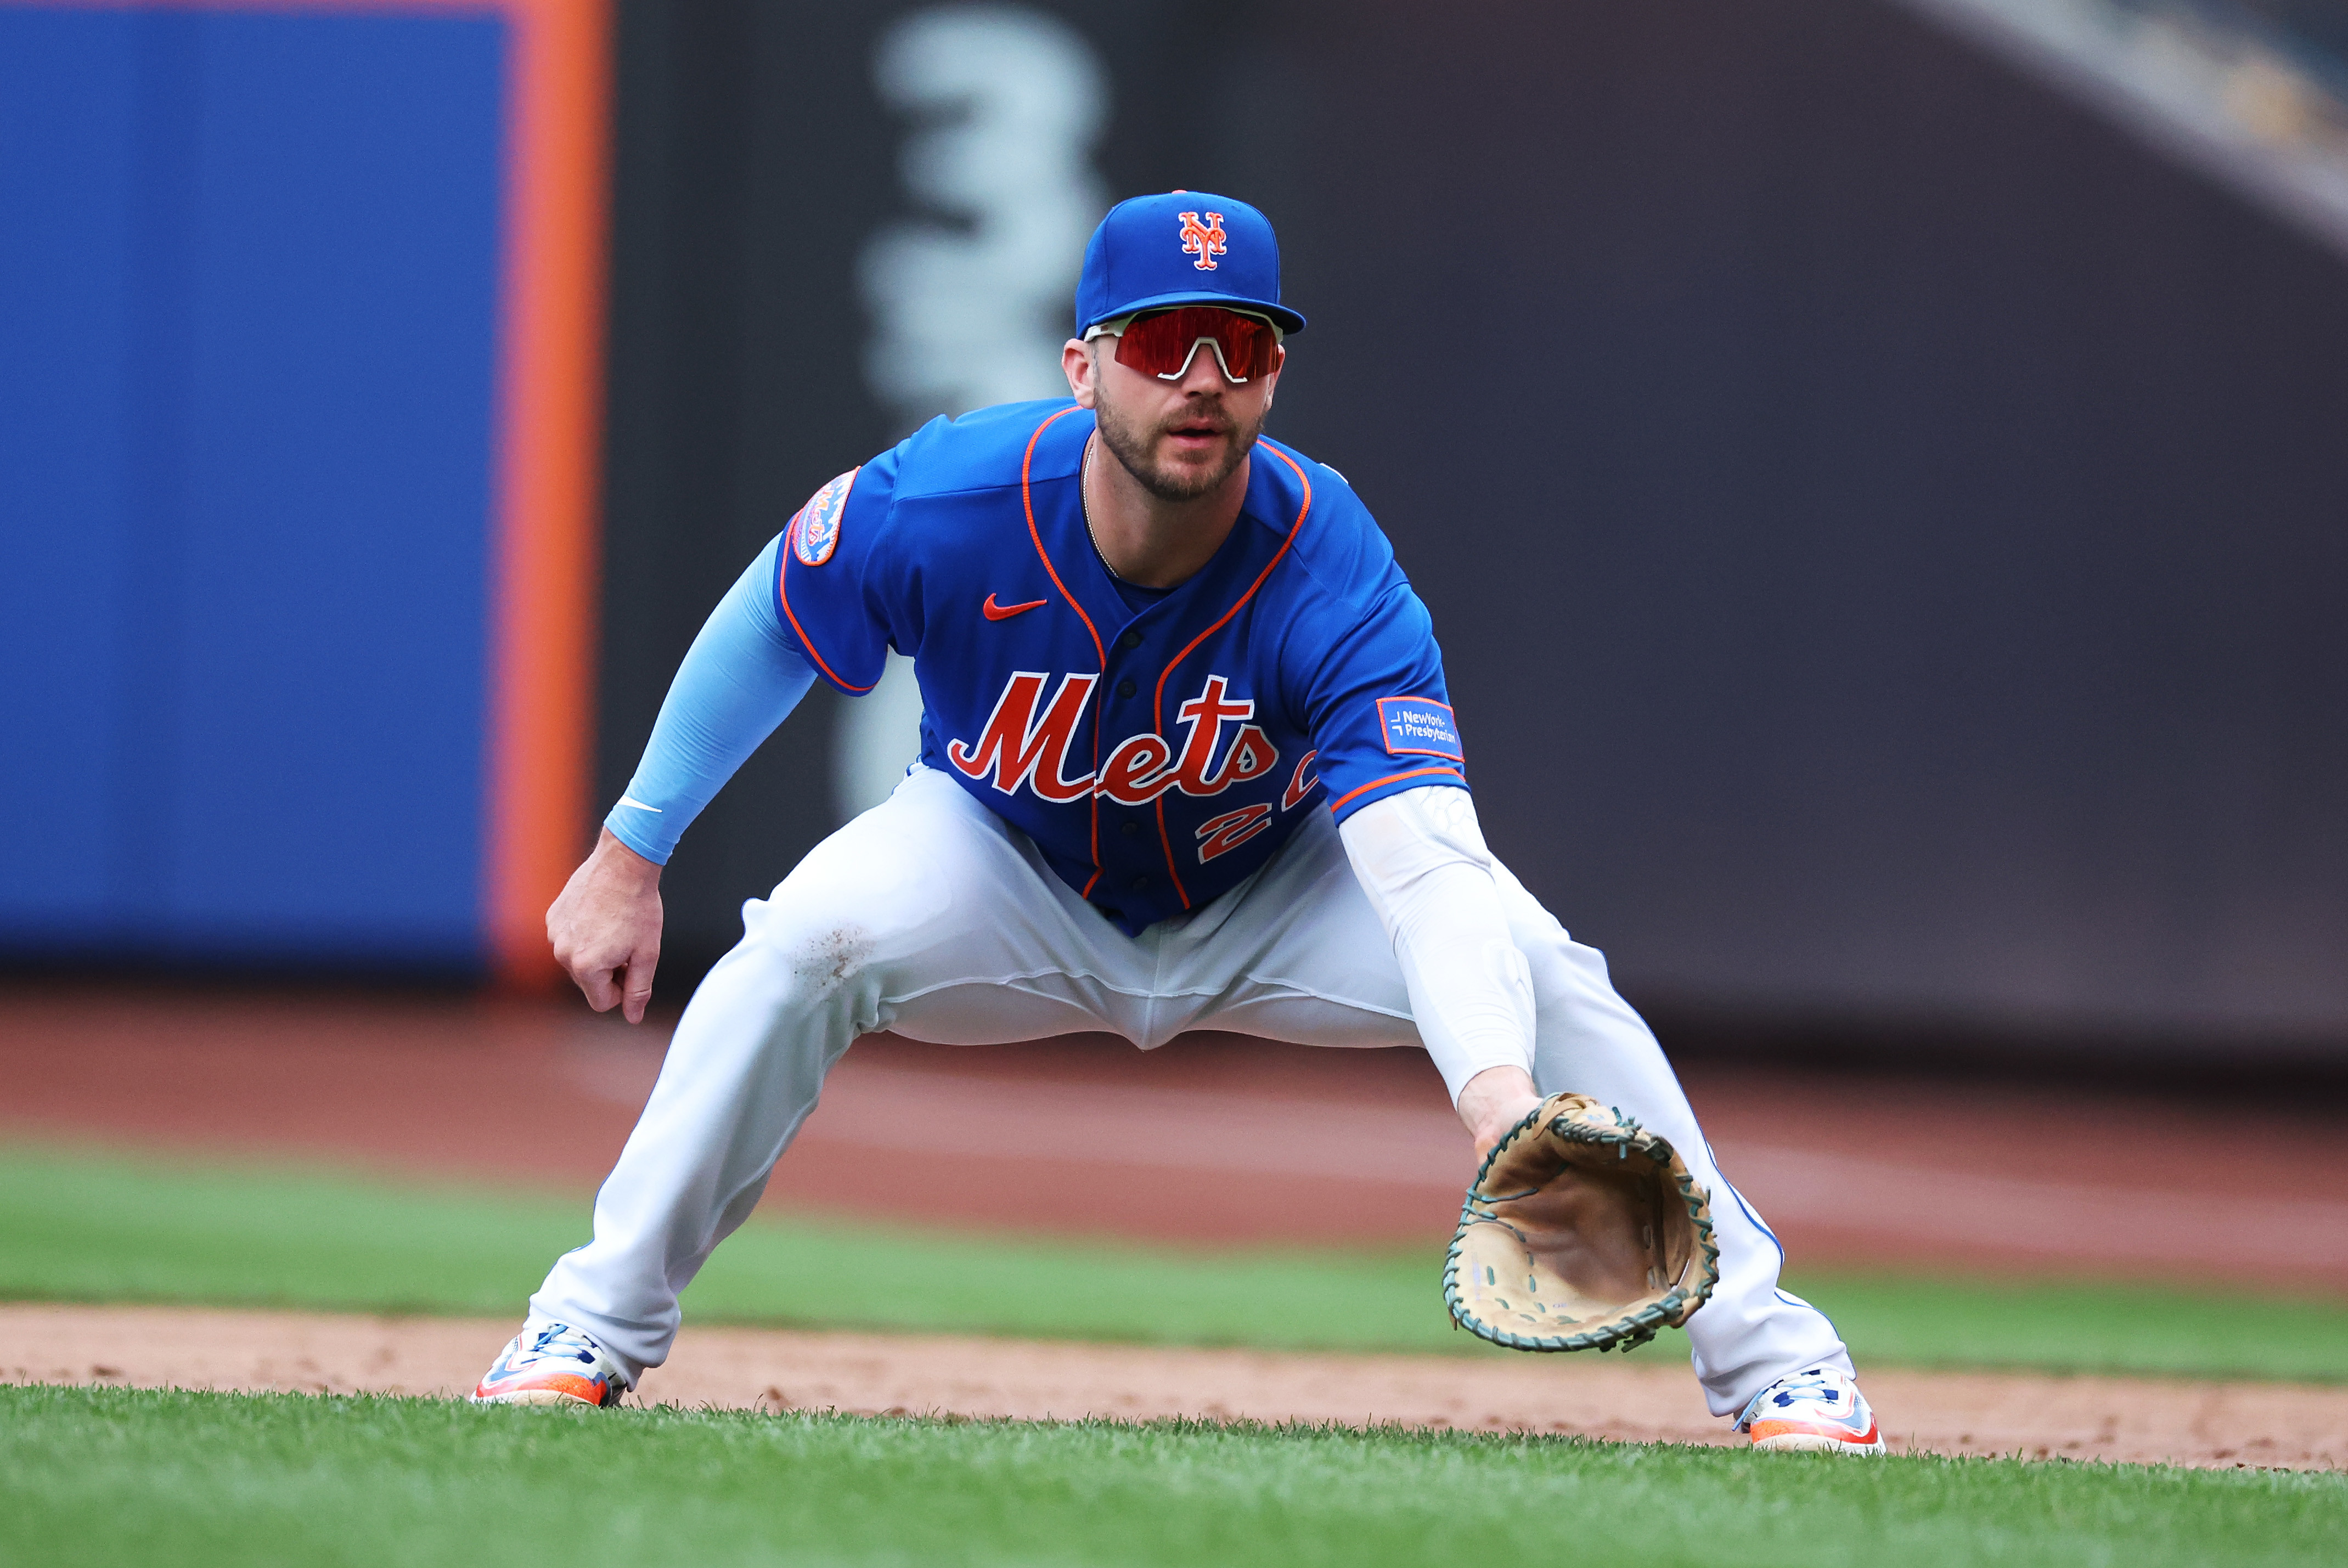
x=1188, y=762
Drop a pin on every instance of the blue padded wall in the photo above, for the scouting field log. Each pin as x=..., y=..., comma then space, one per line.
x=248, y=286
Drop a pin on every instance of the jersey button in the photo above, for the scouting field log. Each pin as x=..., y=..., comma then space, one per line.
x=1138, y=883
x=1130, y=639
x=1126, y=688
x=1130, y=828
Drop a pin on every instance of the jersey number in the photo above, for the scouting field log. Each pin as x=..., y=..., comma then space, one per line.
x=1232, y=829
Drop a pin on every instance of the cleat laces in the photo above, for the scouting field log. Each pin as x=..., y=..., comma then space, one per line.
x=560, y=1341
x=1814, y=1385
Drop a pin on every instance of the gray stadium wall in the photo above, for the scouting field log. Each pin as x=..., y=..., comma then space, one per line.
x=1884, y=522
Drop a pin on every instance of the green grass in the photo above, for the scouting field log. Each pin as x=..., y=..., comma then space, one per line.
x=95, y=1476
x=81, y=1227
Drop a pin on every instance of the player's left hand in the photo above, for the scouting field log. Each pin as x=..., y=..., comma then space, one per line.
x=1582, y=1231
x=1493, y=1101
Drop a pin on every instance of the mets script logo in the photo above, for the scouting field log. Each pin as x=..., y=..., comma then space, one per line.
x=1205, y=243
x=1022, y=748
x=815, y=532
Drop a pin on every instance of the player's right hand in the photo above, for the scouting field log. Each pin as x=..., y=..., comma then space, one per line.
x=606, y=928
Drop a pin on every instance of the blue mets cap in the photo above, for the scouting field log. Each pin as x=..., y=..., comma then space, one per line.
x=1184, y=248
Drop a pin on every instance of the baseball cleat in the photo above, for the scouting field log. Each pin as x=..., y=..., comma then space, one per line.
x=552, y=1364
x=1818, y=1409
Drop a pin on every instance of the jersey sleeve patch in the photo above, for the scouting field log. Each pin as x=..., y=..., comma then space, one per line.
x=815, y=532
x=1419, y=727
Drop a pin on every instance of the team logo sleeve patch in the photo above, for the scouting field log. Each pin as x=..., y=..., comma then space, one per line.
x=1419, y=727
x=832, y=598
x=815, y=532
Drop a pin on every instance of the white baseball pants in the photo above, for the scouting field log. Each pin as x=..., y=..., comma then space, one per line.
x=932, y=917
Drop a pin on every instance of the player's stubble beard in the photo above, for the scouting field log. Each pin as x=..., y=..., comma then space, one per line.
x=1135, y=445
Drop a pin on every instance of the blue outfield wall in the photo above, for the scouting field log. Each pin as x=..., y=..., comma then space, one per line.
x=248, y=268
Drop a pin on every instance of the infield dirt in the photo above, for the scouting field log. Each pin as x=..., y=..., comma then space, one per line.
x=2140, y=1420
x=1082, y=1136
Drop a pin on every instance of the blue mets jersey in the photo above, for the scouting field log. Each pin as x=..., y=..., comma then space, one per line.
x=1158, y=747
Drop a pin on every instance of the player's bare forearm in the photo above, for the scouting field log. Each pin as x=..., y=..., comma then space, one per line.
x=1494, y=1100
x=606, y=928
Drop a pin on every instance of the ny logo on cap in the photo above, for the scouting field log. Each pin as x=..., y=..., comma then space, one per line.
x=1205, y=243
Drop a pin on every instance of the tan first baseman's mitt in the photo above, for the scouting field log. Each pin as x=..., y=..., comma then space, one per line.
x=1581, y=1232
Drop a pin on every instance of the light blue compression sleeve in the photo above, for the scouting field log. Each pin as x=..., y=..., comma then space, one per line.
x=739, y=680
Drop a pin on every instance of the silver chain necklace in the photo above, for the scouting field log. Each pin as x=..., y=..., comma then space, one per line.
x=1084, y=504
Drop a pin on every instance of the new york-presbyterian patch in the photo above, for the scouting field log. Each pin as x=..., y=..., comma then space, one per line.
x=815, y=532
x=1417, y=727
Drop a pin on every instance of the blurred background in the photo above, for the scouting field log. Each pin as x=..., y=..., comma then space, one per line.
x=1879, y=469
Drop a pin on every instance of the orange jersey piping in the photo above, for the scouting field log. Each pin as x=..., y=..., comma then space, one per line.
x=1027, y=501
x=1397, y=778
x=1158, y=706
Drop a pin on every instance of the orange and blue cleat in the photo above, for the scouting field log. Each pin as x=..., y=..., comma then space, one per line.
x=552, y=1364
x=1818, y=1409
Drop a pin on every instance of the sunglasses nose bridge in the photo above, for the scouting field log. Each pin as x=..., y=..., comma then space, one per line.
x=1191, y=353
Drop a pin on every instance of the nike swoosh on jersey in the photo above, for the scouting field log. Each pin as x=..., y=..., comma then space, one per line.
x=994, y=611
x=639, y=805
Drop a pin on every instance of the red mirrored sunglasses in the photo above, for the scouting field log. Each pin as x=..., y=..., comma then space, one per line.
x=1160, y=343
